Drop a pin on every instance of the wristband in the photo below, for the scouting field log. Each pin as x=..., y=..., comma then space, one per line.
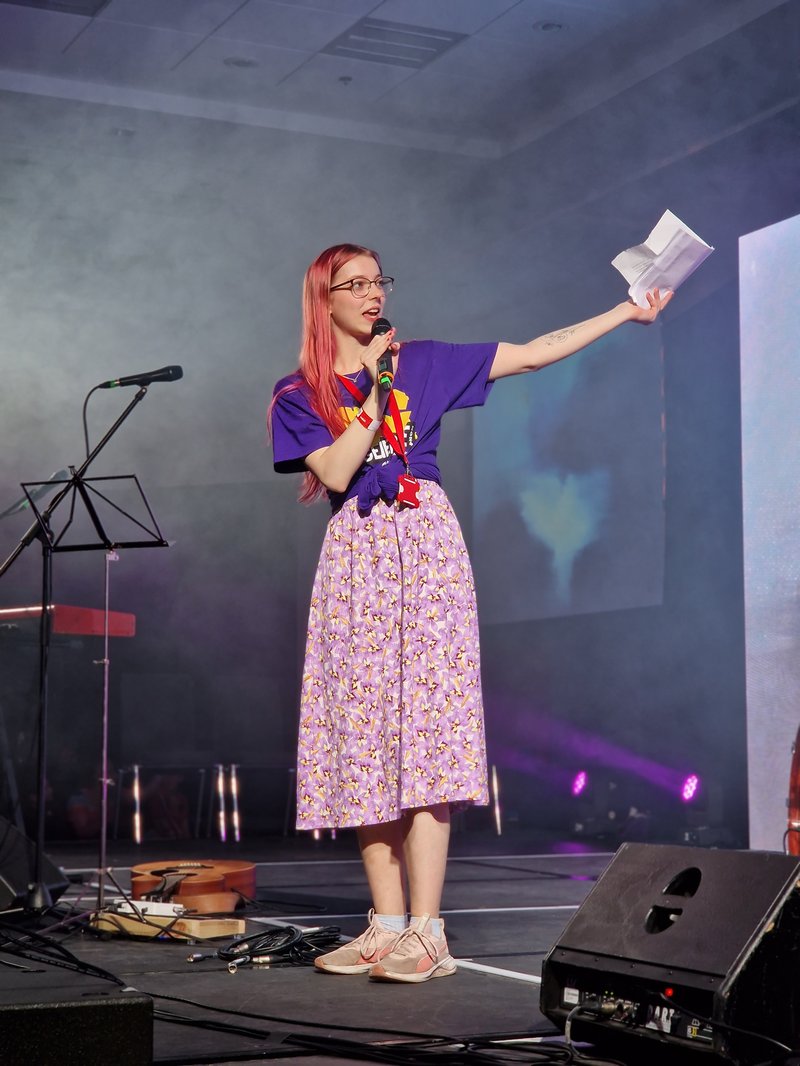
x=372, y=424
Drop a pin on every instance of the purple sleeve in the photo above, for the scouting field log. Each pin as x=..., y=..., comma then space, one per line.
x=296, y=430
x=459, y=373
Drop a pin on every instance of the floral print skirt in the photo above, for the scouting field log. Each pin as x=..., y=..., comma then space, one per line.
x=391, y=710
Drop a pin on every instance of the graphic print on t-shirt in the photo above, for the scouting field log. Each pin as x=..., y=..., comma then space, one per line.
x=381, y=449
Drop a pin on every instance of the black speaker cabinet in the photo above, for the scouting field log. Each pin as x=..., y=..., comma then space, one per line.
x=672, y=940
x=18, y=866
x=51, y=1017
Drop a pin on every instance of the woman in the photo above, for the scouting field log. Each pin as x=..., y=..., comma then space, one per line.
x=391, y=726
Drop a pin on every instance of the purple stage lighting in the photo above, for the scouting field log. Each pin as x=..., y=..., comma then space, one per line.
x=689, y=788
x=579, y=783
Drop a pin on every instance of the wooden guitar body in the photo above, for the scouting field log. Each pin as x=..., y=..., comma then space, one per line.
x=203, y=887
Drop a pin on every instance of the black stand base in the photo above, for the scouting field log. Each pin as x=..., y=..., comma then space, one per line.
x=17, y=865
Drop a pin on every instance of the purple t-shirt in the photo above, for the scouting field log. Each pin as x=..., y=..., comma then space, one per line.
x=432, y=378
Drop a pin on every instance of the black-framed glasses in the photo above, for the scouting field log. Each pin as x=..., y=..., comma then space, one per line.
x=361, y=287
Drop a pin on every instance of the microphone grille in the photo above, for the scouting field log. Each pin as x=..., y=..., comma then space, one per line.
x=381, y=325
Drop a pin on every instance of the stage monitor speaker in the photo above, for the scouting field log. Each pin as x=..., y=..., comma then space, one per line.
x=54, y=1017
x=18, y=867
x=683, y=946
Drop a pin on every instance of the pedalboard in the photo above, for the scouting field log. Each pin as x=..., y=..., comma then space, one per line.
x=146, y=907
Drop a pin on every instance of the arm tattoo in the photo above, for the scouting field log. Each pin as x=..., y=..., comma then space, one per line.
x=559, y=336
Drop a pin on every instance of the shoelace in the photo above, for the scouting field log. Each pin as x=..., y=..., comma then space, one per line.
x=369, y=938
x=404, y=947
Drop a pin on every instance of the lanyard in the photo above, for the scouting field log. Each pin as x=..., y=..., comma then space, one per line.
x=396, y=437
x=407, y=484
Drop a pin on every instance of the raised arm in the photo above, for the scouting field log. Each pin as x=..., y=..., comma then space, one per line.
x=541, y=351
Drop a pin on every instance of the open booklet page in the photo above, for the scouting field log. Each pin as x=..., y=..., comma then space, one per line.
x=665, y=260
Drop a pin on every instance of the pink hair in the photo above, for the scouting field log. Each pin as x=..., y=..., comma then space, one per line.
x=318, y=349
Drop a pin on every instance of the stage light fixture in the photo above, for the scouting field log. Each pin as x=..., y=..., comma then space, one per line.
x=600, y=803
x=702, y=811
x=690, y=788
x=579, y=782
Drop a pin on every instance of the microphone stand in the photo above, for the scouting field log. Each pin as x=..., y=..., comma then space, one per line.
x=39, y=898
x=105, y=662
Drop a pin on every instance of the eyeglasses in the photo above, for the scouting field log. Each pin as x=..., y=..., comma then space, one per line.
x=360, y=287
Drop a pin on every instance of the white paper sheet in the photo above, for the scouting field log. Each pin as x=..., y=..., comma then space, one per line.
x=666, y=259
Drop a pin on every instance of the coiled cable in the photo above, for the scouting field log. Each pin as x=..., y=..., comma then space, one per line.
x=278, y=945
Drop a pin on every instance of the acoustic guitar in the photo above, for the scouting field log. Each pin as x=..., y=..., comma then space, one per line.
x=203, y=887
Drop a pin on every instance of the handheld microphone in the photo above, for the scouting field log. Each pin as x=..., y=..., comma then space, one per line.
x=166, y=373
x=385, y=366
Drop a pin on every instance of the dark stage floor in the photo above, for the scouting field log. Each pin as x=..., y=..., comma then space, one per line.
x=506, y=903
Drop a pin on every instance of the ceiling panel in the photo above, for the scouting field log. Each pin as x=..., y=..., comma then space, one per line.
x=539, y=19
x=219, y=69
x=335, y=85
x=462, y=16
x=115, y=51
x=354, y=8
x=284, y=25
x=507, y=62
x=69, y=7
x=260, y=62
x=625, y=8
x=31, y=40
x=190, y=16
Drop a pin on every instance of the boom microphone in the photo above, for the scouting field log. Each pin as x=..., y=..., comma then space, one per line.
x=166, y=373
x=385, y=366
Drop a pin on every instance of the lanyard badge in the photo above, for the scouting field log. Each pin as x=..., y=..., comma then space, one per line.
x=407, y=490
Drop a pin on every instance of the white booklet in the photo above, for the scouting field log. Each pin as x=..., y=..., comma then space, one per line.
x=665, y=260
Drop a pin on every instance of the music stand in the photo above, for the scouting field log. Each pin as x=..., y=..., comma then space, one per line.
x=75, y=486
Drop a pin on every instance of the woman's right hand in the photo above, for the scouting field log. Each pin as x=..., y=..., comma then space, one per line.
x=379, y=344
x=335, y=464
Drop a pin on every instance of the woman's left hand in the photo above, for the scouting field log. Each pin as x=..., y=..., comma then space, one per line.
x=656, y=302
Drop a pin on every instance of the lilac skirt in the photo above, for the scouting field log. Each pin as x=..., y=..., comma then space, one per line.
x=391, y=713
